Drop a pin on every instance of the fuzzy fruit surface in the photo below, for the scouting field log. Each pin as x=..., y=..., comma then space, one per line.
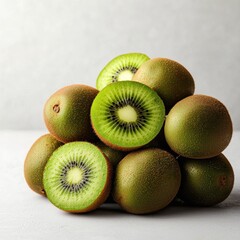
x=146, y=181
x=67, y=113
x=198, y=126
x=205, y=182
x=36, y=160
x=168, y=78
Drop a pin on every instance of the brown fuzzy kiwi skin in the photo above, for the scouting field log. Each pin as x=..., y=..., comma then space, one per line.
x=198, y=126
x=67, y=113
x=135, y=170
x=36, y=159
x=168, y=78
x=205, y=182
x=113, y=155
x=104, y=194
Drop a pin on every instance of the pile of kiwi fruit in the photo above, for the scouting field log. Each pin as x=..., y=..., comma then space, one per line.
x=140, y=139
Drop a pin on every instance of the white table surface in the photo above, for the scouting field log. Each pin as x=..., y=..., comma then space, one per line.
x=26, y=215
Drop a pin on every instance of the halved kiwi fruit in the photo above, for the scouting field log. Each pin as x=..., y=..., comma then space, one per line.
x=146, y=181
x=127, y=115
x=121, y=68
x=36, y=159
x=77, y=177
x=205, y=182
x=198, y=126
x=67, y=113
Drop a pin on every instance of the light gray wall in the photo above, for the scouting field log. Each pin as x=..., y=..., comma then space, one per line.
x=47, y=44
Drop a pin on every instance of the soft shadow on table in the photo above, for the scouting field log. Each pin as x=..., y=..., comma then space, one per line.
x=179, y=209
x=111, y=210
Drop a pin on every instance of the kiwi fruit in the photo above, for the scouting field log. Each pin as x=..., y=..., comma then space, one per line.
x=205, y=182
x=168, y=78
x=146, y=181
x=77, y=177
x=114, y=156
x=67, y=113
x=121, y=68
x=36, y=159
x=127, y=115
x=198, y=126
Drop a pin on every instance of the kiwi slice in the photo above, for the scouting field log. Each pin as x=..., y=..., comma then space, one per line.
x=121, y=68
x=127, y=115
x=77, y=177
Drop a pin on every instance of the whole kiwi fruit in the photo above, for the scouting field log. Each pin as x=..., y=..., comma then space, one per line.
x=168, y=78
x=146, y=181
x=67, y=113
x=198, y=126
x=36, y=159
x=77, y=177
x=205, y=182
x=114, y=156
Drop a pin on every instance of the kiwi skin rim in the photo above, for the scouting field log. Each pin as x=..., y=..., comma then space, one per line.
x=36, y=160
x=104, y=194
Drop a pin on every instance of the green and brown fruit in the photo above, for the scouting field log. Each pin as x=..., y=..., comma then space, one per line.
x=168, y=78
x=36, y=159
x=127, y=115
x=77, y=177
x=114, y=156
x=146, y=181
x=67, y=113
x=205, y=182
x=121, y=68
x=198, y=126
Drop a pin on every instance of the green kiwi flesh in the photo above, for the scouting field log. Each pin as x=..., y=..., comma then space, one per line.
x=67, y=113
x=146, y=181
x=198, y=126
x=77, y=177
x=121, y=68
x=36, y=159
x=205, y=182
x=127, y=115
x=168, y=78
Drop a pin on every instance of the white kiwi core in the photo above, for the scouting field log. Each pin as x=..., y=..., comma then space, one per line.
x=74, y=175
x=125, y=75
x=127, y=114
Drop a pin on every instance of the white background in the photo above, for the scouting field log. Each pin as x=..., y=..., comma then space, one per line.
x=47, y=44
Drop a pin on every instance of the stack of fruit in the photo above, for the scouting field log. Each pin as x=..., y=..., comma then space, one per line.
x=142, y=138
